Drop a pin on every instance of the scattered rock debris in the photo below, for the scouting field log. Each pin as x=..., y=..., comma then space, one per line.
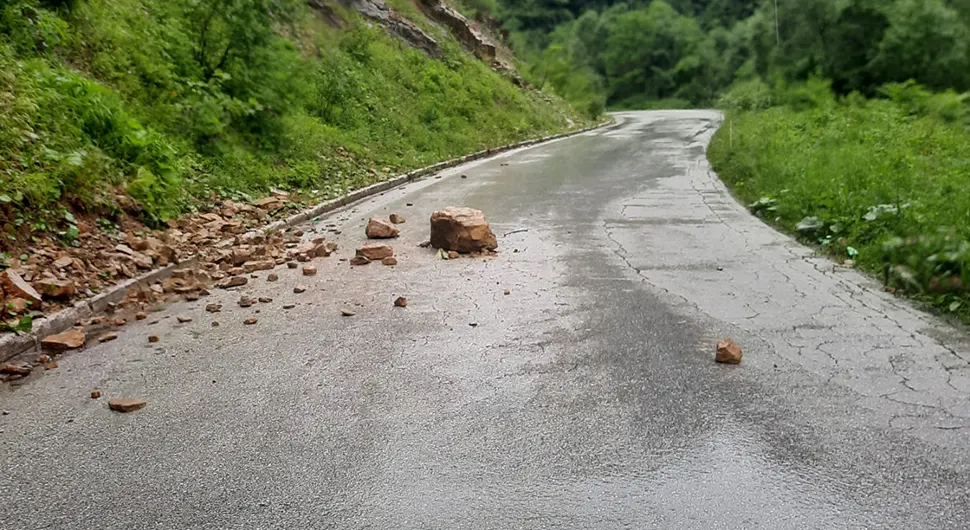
x=126, y=405
x=183, y=319
x=141, y=315
x=250, y=321
x=95, y=394
x=245, y=301
x=265, y=299
x=309, y=270
x=107, y=337
x=232, y=281
x=213, y=308
x=507, y=292
x=299, y=289
x=358, y=261
x=50, y=366
x=347, y=312
x=289, y=306
x=273, y=278
x=401, y=301
x=292, y=264
x=728, y=352
x=389, y=261
x=397, y=219
x=153, y=339
x=215, y=324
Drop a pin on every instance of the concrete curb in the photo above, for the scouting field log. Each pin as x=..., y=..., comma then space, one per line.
x=12, y=345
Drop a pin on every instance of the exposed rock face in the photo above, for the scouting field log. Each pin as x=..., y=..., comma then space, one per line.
x=469, y=35
x=461, y=230
x=379, y=11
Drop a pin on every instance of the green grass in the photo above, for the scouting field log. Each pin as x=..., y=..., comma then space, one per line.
x=873, y=181
x=125, y=97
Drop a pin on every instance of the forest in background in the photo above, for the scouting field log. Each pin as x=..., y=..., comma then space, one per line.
x=680, y=53
x=846, y=121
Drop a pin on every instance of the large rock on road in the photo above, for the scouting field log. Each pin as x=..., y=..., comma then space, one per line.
x=461, y=230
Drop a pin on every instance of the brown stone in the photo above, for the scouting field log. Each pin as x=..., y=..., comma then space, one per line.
x=215, y=324
x=452, y=254
x=507, y=292
x=15, y=286
x=378, y=228
x=299, y=289
x=250, y=321
x=183, y=319
x=126, y=405
x=309, y=270
x=357, y=261
x=728, y=352
x=246, y=301
x=390, y=260
x=265, y=299
x=107, y=337
x=54, y=288
x=153, y=339
x=291, y=264
x=20, y=369
x=50, y=366
x=375, y=251
x=95, y=394
x=118, y=321
x=213, y=308
x=272, y=278
x=261, y=265
x=289, y=306
x=183, y=274
x=397, y=219
x=232, y=281
x=68, y=340
x=17, y=306
x=63, y=262
x=461, y=230
x=347, y=312
x=401, y=301
x=241, y=255
x=236, y=271
x=141, y=315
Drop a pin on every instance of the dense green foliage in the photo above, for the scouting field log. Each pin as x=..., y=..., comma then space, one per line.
x=177, y=101
x=638, y=53
x=882, y=182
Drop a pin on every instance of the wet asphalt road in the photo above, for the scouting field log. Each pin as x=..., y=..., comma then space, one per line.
x=586, y=398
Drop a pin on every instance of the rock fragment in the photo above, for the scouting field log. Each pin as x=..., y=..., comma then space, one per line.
x=375, y=251
x=389, y=261
x=21, y=369
x=126, y=405
x=68, y=340
x=153, y=339
x=378, y=228
x=397, y=219
x=15, y=286
x=309, y=270
x=400, y=301
x=728, y=352
x=107, y=337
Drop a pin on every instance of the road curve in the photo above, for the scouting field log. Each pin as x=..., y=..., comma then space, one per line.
x=586, y=398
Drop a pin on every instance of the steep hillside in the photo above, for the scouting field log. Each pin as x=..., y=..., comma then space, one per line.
x=114, y=112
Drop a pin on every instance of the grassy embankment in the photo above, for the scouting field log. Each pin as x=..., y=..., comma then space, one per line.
x=178, y=103
x=884, y=182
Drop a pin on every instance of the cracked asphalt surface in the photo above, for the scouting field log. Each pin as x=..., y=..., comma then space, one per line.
x=586, y=398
